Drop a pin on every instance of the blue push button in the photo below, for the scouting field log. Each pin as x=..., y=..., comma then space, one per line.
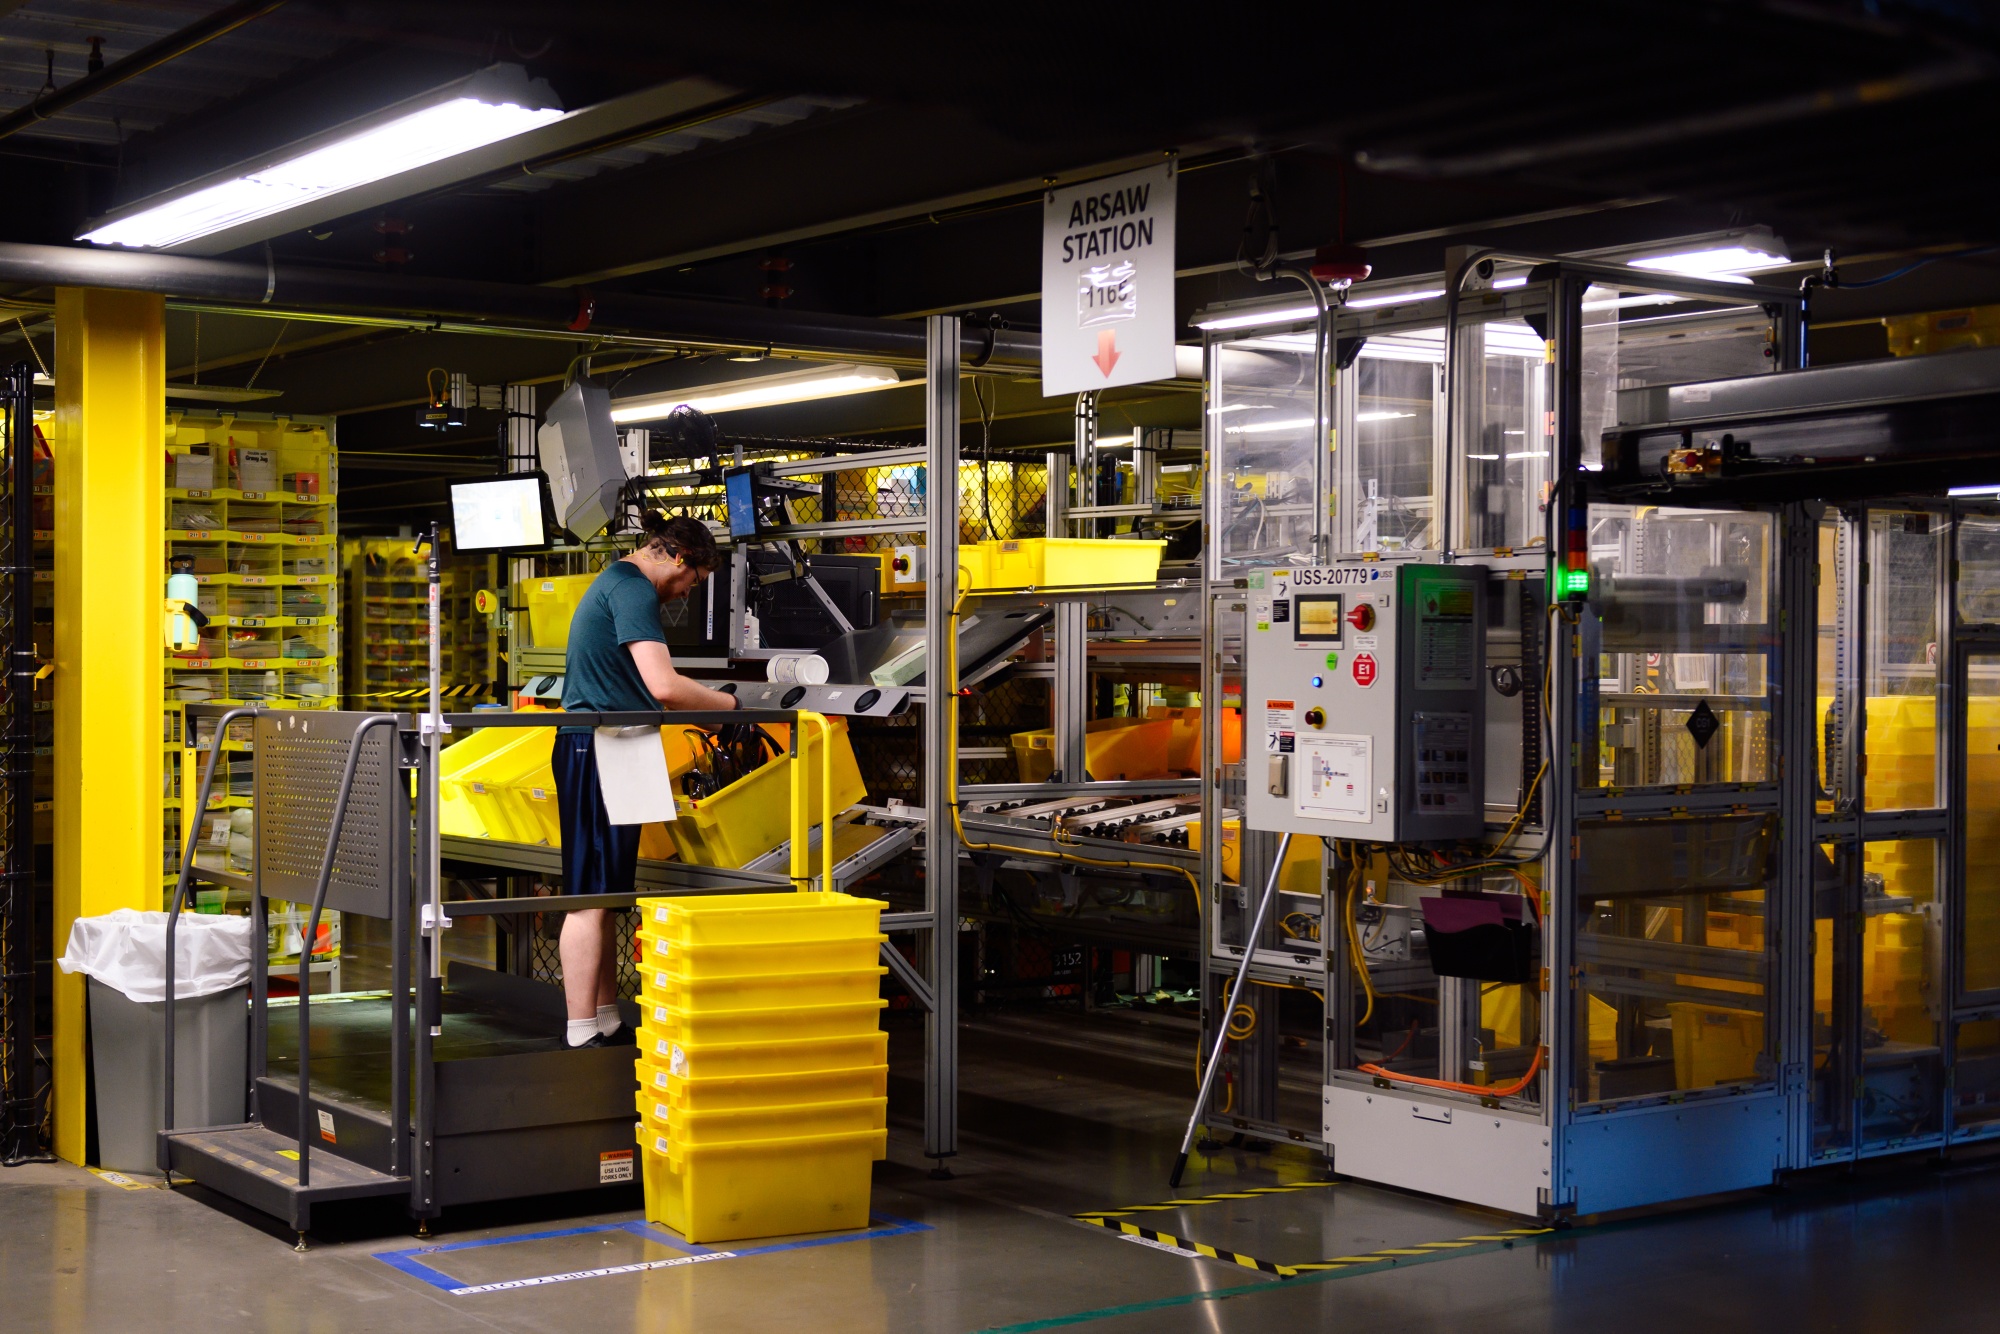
x=1318, y=682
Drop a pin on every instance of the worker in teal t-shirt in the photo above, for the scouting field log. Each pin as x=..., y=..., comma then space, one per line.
x=617, y=662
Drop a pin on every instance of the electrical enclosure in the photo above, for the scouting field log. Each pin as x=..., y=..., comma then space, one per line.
x=1363, y=701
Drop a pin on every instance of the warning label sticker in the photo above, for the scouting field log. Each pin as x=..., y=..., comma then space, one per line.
x=614, y=1165
x=326, y=1126
x=1279, y=726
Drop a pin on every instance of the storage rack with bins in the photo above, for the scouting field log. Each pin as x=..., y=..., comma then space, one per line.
x=388, y=620
x=252, y=499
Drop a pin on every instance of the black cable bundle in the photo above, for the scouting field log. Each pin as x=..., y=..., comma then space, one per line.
x=725, y=755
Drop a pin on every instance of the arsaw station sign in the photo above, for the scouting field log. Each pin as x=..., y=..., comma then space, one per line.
x=1108, y=282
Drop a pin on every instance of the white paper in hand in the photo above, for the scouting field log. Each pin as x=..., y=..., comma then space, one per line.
x=632, y=775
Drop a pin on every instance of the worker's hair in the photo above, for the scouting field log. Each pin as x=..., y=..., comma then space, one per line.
x=684, y=538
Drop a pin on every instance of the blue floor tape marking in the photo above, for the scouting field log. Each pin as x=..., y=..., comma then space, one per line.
x=406, y=1261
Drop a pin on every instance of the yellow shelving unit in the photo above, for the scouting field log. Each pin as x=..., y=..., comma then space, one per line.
x=388, y=619
x=252, y=501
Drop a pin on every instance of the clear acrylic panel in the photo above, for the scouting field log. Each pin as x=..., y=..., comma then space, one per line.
x=1682, y=601
x=1501, y=440
x=1976, y=1075
x=1906, y=572
x=1674, y=954
x=1979, y=569
x=1902, y=1065
x=1261, y=428
x=1392, y=437
x=1980, y=966
x=1637, y=337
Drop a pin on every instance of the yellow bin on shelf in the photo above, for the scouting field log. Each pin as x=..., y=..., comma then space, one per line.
x=1714, y=1045
x=1053, y=562
x=753, y=815
x=1113, y=748
x=760, y=1188
x=490, y=784
x=551, y=605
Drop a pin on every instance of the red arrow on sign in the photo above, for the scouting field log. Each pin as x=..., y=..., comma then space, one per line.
x=1107, y=350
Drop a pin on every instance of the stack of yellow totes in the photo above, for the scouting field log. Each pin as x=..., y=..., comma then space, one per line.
x=763, y=1067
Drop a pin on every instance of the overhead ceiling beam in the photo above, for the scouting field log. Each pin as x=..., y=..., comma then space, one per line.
x=829, y=164
x=171, y=47
x=282, y=288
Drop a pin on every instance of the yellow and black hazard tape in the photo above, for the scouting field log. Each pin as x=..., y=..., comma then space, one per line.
x=424, y=692
x=1182, y=1243
x=1395, y=1254
x=1247, y=1193
x=1112, y=1220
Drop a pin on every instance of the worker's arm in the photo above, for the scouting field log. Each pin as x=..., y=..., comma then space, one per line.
x=674, y=691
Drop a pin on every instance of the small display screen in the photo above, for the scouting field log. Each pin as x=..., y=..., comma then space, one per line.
x=1316, y=619
x=737, y=488
x=500, y=515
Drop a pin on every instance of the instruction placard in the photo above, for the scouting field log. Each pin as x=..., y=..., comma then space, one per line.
x=1335, y=778
x=1108, y=282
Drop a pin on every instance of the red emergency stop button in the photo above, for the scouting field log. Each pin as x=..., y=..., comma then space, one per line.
x=1362, y=618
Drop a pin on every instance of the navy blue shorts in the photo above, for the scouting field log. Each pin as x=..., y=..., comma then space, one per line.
x=598, y=857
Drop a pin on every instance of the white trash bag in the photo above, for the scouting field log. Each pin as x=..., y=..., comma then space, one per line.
x=127, y=950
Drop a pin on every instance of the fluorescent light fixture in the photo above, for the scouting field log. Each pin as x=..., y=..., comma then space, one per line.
x=1251, y=319
x=1382, y=416
x=1530, y=454
x=1502, y=284
x=762, y=391
x=1115, y=441
x=1270, y=427
x=1726, y=256
x=1489, y=458
x=1393, y=298
x=1974, y=491
x=490, y=106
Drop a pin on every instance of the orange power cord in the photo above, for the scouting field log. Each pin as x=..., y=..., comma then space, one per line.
x=1482, y=1090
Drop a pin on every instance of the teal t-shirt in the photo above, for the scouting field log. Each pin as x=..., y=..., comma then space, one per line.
x=599, y=676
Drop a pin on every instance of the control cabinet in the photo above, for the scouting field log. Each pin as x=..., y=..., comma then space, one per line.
x=1363, y=701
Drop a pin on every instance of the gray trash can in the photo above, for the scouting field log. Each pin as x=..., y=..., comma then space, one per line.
x=127, y=1066
x=124, y=954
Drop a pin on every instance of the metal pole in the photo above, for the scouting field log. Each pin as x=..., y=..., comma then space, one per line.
x=1235, y=995
x=427, y=814
x=18, y=1113
x=1322, y=536
x=941, y=438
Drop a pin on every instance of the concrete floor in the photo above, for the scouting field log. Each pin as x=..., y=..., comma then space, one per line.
x=1046, y=1135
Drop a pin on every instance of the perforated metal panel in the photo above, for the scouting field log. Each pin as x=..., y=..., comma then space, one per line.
x=300, y=758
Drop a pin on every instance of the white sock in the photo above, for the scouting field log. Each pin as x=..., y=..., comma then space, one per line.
x=581, y=1031
x=608, y=1020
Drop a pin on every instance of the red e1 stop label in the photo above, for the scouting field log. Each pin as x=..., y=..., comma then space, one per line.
x=1364, y=669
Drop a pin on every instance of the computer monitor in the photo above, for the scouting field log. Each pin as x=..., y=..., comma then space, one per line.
x=739, y=490
x=793, y=618
x=500, y=514
x=578, y=446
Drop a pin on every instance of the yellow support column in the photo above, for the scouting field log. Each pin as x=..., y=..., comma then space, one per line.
x=110, y=586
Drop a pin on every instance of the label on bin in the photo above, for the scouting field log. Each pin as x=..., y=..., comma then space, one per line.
x=326, y=1127
x=614, y=1165
x=678, y=1062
